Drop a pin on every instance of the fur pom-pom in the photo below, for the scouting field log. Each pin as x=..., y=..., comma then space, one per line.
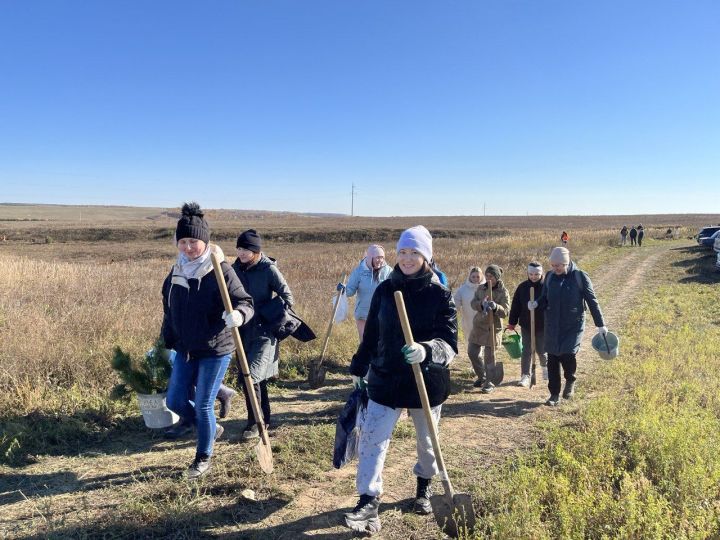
x=192, y=209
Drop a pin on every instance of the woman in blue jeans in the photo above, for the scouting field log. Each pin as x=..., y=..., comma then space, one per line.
x=196, y=325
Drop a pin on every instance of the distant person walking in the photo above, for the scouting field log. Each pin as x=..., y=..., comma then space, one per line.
x=196, y=325
x=564, y=238
x=520, y=313
x=483, y=340
x=383, y=362
x=623, y=235
x=262, y=279
x=640, y=234
x=464, y=295
x=566, y=291
x=633, y=236
x=363, y=281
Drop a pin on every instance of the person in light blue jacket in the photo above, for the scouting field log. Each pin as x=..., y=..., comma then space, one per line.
x=371, y=271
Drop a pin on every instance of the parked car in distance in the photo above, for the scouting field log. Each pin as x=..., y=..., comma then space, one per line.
x=706, y=232
x=717, y=262
x=716, y=245
x=709, y=241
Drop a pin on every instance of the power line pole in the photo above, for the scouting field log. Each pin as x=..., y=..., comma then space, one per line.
x=483, y=209
x=352, y=201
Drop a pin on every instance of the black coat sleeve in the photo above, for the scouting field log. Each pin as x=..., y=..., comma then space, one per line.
x=371, y=335
x=516, y=307
x=166, y=331
x=443, y=347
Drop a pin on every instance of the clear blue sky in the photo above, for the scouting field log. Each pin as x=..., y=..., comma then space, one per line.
x=540, y=107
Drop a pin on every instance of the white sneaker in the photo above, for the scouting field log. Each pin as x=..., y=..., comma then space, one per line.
x=524, y=381
x=545, y=373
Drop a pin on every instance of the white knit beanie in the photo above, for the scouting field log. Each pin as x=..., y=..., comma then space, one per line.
x=417, y=238
x=560, y=255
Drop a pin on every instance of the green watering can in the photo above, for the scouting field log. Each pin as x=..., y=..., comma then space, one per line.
x=512, y=343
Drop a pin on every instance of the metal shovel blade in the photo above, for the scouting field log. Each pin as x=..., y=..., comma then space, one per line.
x=264, y=453
x=316, y=375
x=453, y=515
x=497, y=373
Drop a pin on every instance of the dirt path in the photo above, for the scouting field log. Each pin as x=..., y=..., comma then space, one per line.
x=483, y=430
x=67, y=493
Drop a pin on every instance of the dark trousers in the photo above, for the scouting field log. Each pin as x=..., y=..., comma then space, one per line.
x=640, y=238
x=261, y=393
x=569, y=365
x=633, y=240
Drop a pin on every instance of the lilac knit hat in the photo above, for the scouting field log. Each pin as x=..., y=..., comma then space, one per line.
x=417, y=238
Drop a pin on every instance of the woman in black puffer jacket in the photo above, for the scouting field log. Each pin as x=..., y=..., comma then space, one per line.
x=383, y=363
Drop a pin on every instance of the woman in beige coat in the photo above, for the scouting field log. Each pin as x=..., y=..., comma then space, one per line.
x=490, y=311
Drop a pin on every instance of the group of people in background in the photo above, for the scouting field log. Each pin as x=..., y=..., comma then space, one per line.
x=636, y=235
x=198, y=328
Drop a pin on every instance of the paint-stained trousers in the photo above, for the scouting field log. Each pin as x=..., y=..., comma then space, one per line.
x=375, y=437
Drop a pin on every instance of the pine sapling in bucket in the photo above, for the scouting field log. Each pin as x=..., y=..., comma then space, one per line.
x=148, y=378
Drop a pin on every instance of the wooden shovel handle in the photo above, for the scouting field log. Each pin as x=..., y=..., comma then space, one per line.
x=249, y=390
x=492, y=320
x=420, y=382
x=532, y=325
x=333, y=312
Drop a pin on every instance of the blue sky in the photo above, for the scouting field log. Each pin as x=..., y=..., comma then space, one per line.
x=430, y=108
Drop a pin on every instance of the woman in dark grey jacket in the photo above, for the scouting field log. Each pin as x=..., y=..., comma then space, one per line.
x=383, y=361
x=565, y=292
x=262, y=280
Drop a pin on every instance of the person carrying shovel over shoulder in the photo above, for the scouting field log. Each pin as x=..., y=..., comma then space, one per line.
x=383, y=362
x=197, y=326
x=565, y=292
x=491, y=308
x=519, y=312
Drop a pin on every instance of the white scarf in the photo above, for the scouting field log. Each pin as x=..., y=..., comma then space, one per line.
x=197, y=268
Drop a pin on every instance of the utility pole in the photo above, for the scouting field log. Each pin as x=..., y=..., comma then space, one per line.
x=483, y=209
x=352, y=201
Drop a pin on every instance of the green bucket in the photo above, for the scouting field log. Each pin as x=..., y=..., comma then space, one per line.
x=512, y=343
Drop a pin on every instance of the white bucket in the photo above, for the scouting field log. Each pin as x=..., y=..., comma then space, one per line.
x=155, y=411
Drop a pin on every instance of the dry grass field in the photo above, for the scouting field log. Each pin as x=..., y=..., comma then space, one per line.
x=66, y=301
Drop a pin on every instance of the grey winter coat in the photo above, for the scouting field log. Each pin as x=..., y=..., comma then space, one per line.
x=563, y=301
x=261, y=280
x=361, y=282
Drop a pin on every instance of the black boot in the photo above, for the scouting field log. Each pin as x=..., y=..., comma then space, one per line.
x=422, y=497
x=364, y=517
x=182, y=429
x=569, y=390
x=225, y=396
x=553, y=400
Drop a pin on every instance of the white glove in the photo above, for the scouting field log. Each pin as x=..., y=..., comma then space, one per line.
x=489, y=305
x=358, y=382
x=602, y=330
x=414, y=354
x=532, y=304
x=234, y=319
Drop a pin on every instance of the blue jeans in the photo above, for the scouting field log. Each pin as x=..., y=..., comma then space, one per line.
x=206, y=375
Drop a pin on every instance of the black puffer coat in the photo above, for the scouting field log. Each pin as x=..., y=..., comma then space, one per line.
x=193, y=311
x=433, y=320
x=519, y=311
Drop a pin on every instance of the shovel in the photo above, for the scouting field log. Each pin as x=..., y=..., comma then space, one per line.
x=496, y=373
x=262, y=450
x=316, y=371
x=453, y=511
x=533, y=380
